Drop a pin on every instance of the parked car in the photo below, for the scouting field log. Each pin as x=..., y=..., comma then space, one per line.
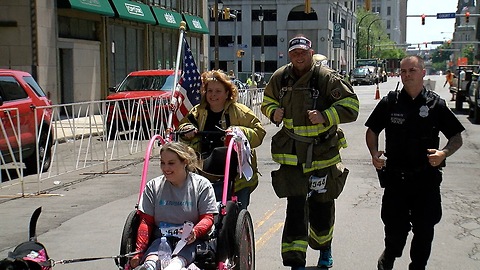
x=362, y=75
x=20, y=94
x=473, y=99
x=376, y=74
x=464, y=74
x=152, y=90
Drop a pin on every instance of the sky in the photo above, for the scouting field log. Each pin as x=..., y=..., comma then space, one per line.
x=433, y=28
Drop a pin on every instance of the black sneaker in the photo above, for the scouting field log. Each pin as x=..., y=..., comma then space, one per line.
x=385, y=262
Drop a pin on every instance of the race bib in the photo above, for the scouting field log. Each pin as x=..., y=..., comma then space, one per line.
x=318, y=184
x=170, y=230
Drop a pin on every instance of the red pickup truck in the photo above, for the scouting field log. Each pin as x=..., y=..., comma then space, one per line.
x=20, y=129
x=140, y=102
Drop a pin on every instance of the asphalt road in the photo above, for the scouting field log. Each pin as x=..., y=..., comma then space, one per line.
x=85, y=218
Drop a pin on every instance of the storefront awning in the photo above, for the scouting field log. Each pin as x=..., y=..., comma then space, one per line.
x=167, y=18
x=196, y=24
x=95, y=6
x=134, y=11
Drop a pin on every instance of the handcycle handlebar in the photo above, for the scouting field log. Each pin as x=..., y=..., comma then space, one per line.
x=201, y=132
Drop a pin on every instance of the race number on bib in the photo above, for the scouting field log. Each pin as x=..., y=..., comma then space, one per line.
x=318, y=184
x=169, y=229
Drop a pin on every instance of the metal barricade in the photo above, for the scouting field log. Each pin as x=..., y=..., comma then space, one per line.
x=85, y=134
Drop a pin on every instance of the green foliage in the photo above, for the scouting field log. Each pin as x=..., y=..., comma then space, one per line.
x=379, y=45
x=468, y=51
x=440, y=56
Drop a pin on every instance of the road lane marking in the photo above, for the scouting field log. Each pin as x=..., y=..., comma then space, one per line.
x=267, y=235
x=265, y=218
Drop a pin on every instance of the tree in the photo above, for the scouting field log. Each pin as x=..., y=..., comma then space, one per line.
x=380, y=44
x=441, y=55
x=468, y=51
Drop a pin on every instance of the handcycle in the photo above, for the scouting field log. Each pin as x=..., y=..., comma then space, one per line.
x=231, y=245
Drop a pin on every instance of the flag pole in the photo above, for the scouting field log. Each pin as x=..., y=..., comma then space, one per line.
x=173, y=103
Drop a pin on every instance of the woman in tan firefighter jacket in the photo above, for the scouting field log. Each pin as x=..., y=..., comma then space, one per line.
x=310, y=101
x=218, y=110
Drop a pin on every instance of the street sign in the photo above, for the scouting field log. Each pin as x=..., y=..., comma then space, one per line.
x=337, y=43
x=437, y=42
x=337, y=27
x=337, y=30
x=450, y=15
x=337, y=34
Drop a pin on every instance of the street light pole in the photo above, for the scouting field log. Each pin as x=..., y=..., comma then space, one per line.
x=218, y=6
x=358, y=28
x=368, y=37
x=262, y=42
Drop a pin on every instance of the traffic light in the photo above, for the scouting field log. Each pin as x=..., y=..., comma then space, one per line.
x=308, y=7
x=240, y=53
x=425, y=44
x=423, y=19
x=467, y=17
x=226, y=13
x=368, y=5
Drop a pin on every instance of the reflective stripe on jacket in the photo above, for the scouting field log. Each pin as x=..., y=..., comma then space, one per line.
x=336, y=102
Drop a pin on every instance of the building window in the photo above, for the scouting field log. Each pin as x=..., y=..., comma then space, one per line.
x=268, y=15
x=298, y=14
x=389, y=11
x=77, y=28
x=269, y=41
x=270, y=66
x=225, y=41
x=165, y=48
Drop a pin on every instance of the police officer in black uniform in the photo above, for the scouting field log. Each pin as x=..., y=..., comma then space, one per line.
x=410, y=169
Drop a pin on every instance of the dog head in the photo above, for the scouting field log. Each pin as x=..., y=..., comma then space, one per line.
x=30, y=255
x=8, y=264
x=27, y=256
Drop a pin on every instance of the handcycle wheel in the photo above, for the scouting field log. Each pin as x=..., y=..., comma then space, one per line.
x=129, y=237
x=244, y=258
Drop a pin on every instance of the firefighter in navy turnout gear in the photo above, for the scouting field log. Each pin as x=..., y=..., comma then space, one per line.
x=412, y=119
x=310, y=101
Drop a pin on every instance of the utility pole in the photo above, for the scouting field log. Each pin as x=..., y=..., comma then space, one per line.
x=262, y=41
x=235, y=43
x=218, y=6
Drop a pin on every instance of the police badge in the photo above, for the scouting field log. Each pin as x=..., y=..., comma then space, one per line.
x=423, y=111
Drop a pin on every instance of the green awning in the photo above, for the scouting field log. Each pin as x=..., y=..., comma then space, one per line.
x=134, y=11
x=167, y=18
x=95, y=6
x=196, y=24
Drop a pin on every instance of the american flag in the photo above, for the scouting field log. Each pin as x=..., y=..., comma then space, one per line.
x=188, y=86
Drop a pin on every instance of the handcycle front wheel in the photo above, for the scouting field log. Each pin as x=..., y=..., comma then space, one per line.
x=244, y=258
x=129, y=237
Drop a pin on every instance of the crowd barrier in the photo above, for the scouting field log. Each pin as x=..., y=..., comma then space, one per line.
x=93, y=133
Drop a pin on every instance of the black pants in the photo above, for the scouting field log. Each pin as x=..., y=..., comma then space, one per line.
x=297, y=234
x=411, y=201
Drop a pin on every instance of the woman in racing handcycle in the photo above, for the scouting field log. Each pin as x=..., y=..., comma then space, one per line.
x=168, y=201
x=203, y=128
